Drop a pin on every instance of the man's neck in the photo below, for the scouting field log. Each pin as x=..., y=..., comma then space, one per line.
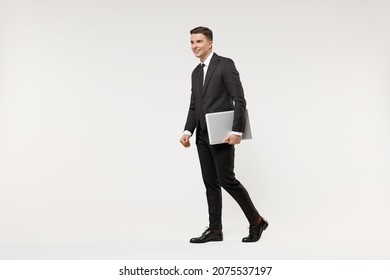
x=208, y=55
x=203, y=60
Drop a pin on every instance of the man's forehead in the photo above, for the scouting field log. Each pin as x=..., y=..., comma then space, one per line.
x=198, y=36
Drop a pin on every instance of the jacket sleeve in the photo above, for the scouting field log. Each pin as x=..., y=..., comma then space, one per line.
x=233, y=85
x=191, y=116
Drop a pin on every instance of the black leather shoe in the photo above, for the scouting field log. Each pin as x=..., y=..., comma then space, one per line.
x=207, y=236
x=256, y=231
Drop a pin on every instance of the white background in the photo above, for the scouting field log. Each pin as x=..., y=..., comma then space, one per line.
x=93, y=100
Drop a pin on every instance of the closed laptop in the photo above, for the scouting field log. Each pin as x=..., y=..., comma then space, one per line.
x=219, y=126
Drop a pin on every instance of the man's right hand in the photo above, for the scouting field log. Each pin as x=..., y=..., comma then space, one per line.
x=185, y=140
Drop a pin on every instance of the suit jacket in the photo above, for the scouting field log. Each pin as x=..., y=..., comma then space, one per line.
x=222, y=91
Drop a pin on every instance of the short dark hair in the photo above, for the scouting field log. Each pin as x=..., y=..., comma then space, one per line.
x=203, y=30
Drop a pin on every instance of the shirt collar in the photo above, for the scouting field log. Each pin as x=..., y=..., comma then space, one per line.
x=207, y=61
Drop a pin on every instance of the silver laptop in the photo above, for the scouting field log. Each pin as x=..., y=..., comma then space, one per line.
x=219, y=126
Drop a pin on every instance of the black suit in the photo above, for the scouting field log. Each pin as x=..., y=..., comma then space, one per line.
x=222, y=91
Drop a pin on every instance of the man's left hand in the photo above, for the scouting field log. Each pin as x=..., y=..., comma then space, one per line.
x=232, y=139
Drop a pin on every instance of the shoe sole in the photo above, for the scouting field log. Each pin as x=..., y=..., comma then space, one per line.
x=212, y=240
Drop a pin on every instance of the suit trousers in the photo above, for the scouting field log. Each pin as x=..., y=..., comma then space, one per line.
x=217, y=166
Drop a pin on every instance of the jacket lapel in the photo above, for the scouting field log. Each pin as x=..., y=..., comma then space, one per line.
x=213, y=64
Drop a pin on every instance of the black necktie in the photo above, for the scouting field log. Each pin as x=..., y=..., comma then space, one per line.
x=200, y=96
x=202, y=74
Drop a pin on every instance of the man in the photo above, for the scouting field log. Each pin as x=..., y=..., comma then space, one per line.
x=216, y=87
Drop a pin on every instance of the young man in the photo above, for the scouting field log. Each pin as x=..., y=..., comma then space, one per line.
x=216, y=87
